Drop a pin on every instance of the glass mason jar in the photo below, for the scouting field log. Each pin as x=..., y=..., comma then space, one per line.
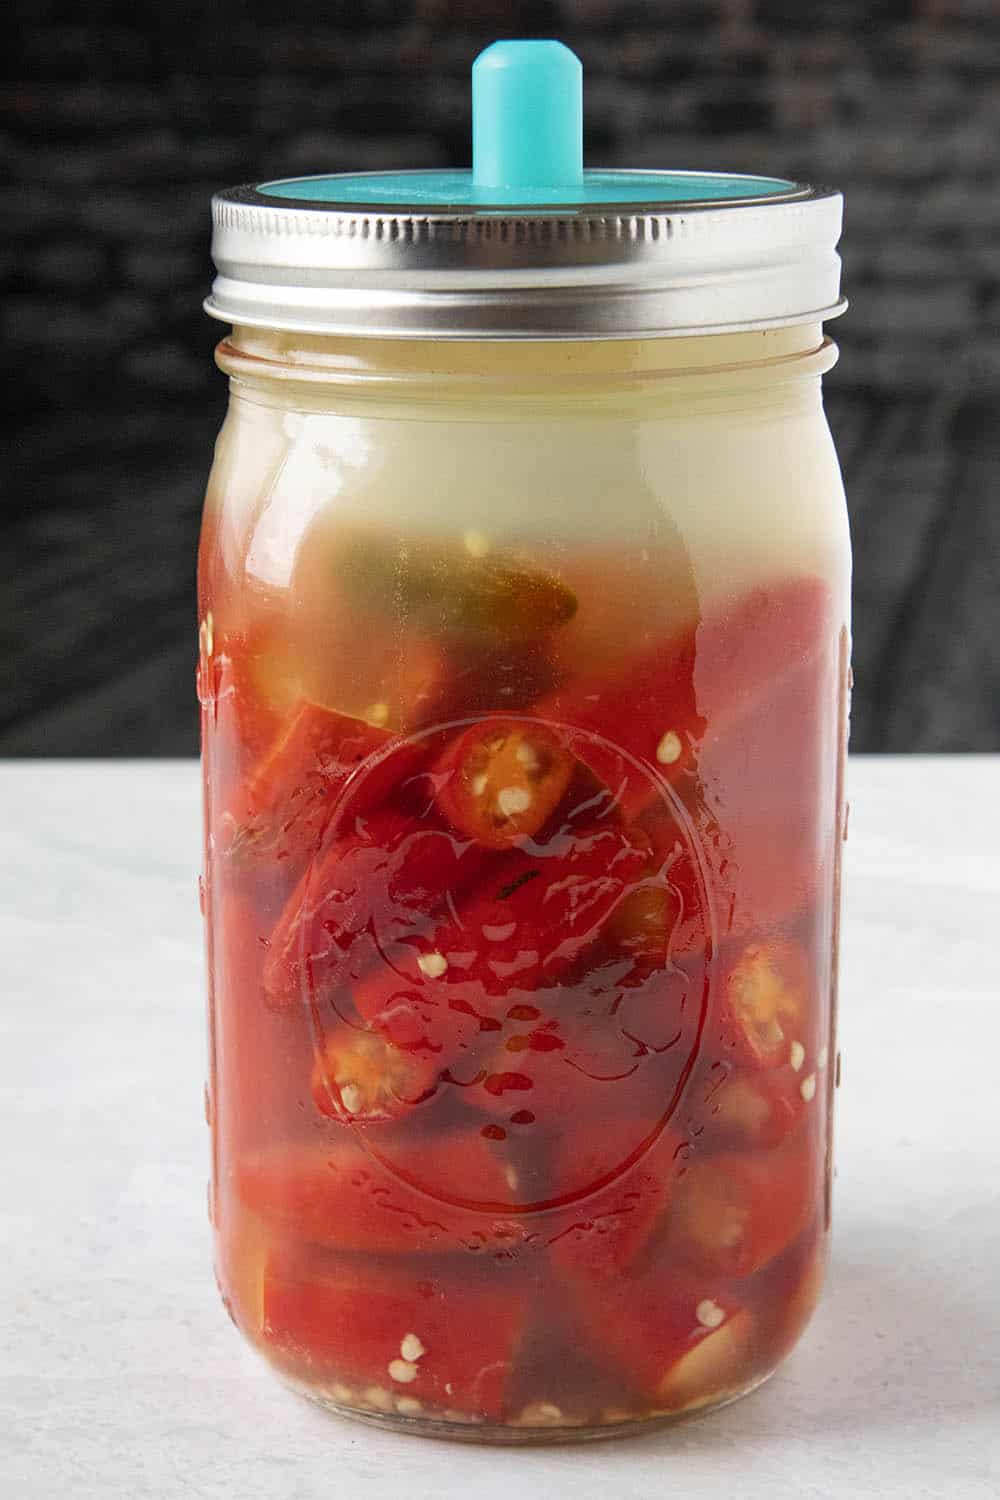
x=523, y=677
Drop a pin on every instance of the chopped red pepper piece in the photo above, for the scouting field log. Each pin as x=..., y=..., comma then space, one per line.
x=257, y=681
x=654, y=950
x=597, y=1030
x=766, y=678
x=235, y=728
x=677, y=1340
x=435, y=1338
x=796, y=1287
x=761, y=673
x=673, y=856
x=734, y=1213
x=374, y=882
x=752, y=1109
x=576, y=1063
x=480, y=679
x=640, y=726
x=286, y=801
x=340, y=1194
x=574, y=1085
x=361, y=1076
x=767, y=997
x=663, y=917
x=500, y=781
x=264, y=1089
x=749, y=648
x=532, y=915
x=639, y=932
x=524, y=925
x=604, y=1234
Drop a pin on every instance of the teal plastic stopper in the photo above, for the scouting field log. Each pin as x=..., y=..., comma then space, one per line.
x=527, y=123
x=527, y=151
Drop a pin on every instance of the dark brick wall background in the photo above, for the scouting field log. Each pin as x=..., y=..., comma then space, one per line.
x=117, y=121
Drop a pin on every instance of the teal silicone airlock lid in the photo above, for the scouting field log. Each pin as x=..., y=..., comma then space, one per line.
x=528, y=243
x=527, y=150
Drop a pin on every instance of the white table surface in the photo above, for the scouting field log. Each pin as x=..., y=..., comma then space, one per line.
x=120, y=1375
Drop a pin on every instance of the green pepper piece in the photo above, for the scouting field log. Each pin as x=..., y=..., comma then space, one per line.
x=450, y=593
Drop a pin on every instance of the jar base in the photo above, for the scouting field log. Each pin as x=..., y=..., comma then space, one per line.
x=515, y=1434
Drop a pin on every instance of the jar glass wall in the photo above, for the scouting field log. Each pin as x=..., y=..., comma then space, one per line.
x=523, y=678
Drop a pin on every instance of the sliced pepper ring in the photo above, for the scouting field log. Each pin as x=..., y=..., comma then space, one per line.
x=502, y=779
x=360, y=1076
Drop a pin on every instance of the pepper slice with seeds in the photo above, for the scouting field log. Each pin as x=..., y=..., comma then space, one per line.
x=767, y=1001
x=361, y=1076
x=501, y=780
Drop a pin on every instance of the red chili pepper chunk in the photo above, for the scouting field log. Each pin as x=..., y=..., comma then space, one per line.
x=501, y=780
x=375, y=883
x=394, y=1340
x=766, y=677
x=679, y=1341
x=603, y=1236
x=527, y=921
x=767, y=1001
x=345, y=1195
x=361, y=1076
x=751, y=1109
x=644, y=719
x=281, y=810
x=732, y=1214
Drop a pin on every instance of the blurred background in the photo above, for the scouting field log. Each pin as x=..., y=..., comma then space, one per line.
x=117, y=121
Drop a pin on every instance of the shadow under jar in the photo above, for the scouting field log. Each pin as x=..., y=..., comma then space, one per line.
x=523, y=674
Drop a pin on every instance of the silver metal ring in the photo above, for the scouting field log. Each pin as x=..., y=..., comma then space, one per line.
x=593, y=271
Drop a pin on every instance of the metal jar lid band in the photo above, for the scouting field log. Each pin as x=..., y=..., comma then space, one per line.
x=565, y=272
